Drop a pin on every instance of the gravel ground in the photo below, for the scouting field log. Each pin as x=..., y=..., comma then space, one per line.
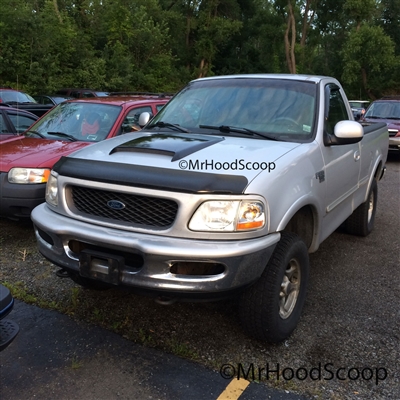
x=347, y=342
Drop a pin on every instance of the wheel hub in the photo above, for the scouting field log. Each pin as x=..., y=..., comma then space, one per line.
x=370, y=207
x=290, y=288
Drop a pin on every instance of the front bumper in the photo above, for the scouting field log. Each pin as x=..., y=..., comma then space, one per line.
x=19, y=200
x=147, y=261
x=394, y=142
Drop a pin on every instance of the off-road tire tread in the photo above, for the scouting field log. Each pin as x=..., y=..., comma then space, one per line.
x=259, y=309
x=357, y=224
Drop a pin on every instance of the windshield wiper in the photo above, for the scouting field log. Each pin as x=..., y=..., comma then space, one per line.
x=37, y=133
x=162, y=124
x=70, y=137
x=228, y=129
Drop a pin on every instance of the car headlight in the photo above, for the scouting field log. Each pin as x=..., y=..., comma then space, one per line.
x=228, y=216
x=52, y=191
x=28, y=175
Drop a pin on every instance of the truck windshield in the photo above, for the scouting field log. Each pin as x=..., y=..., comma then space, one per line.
x=278, y=108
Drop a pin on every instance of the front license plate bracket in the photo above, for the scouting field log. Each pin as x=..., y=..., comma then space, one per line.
x=100, y=266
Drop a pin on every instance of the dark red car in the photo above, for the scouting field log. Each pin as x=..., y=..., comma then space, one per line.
x=386, y=110
x=26, y=161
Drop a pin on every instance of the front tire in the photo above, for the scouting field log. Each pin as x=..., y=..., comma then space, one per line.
x=270, y=309
x=361, y=222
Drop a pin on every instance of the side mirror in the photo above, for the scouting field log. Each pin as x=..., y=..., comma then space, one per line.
x=144, y=118
x=345, y=132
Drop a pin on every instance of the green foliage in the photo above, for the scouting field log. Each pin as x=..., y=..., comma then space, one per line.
x=158, y=45
x=369, y=58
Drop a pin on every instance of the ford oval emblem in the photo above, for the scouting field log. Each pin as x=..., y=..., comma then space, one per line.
x=116, y=204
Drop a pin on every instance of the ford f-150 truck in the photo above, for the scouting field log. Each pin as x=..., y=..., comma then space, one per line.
x=225, y=191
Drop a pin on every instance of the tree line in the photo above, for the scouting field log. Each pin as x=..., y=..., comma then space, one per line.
x=159, y=45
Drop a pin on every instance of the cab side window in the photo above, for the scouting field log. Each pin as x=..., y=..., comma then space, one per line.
x=337, y=109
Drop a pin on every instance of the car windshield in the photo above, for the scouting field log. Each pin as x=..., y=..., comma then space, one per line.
x=76, y=121
x=13, y=96
x=276, y=108
x=384, y=110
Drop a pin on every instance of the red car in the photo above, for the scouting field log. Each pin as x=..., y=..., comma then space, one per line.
x=26, y=161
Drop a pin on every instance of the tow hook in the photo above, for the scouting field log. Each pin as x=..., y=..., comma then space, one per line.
x=62, y=273
x=165, y=301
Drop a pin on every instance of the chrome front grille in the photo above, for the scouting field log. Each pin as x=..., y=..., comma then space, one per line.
x=115, y=206
x=393, y=132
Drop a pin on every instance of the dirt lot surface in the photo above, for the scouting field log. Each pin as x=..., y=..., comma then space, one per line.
x=347, y=345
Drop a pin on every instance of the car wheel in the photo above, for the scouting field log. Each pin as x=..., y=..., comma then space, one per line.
x=270, y=309
x=361, y=222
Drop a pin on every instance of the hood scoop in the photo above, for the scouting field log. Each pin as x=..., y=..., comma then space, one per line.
x=175, y=145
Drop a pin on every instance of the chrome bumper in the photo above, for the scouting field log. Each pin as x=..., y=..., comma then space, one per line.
x=241, y=261
x=394, y=142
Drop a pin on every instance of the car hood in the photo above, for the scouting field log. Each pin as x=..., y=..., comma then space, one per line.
x=195, y=152
x=32, y=152
x=8, y=136
x=391, y=123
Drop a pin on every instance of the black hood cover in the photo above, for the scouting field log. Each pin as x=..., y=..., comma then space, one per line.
x=174, y=180
x=176, y=145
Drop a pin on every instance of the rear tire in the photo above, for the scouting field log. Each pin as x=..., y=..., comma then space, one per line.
x=361, y=222
x=270, y=309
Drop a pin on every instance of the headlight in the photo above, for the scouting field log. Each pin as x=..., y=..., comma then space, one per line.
x=228, y=216
x=52, y=191
x=28, y=175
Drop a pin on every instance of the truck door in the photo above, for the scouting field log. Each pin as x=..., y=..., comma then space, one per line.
x=342, y=161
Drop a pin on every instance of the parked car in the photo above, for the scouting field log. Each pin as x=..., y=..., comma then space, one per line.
x=14, y=121
x=26, y=161
x=8, y=328
x=386, y=110
x=9, y=95
x=81, y=93
x=51, y=99
x=23, y=101
x=358, y=107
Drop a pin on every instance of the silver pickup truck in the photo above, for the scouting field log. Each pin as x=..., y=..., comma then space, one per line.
x=224, y=192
